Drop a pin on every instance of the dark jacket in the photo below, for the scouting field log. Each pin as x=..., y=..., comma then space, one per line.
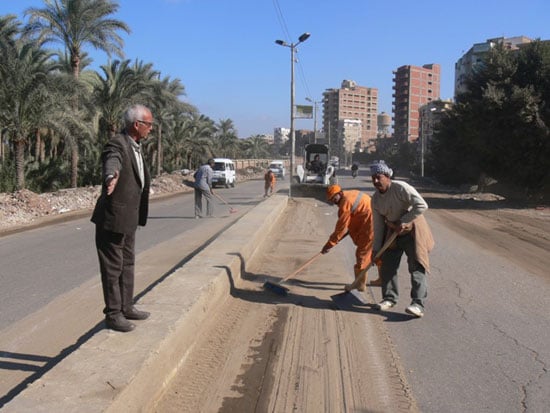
x=128, y=205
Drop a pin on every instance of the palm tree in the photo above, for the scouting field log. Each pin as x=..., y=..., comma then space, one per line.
x=196, y=136
x=9, y=29
x=227, y=142
x=256, y=147
x=75, y=23
x=26, y=89
x=115, y=91
x=166, y=106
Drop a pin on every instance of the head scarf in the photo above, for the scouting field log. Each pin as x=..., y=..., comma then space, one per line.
x=380, y=168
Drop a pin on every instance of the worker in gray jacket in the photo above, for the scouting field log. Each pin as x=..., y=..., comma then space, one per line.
x=398, y=207
x=203, y=188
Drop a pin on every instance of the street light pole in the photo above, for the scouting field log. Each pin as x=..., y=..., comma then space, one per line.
x=314, y=118
x=292, y=47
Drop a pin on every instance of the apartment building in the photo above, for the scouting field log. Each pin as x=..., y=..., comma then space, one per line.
x=413, y=87
x=353, y=103
x=349, y=130
x=474, y=57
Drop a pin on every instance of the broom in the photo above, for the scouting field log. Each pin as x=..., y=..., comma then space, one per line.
x=231, y=209
x=277, y=288
x=361, y=279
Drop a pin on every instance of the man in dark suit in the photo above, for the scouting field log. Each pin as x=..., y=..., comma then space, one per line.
x=121, y=207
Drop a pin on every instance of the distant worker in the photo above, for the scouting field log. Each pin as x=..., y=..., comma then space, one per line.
x=397, y=206
x=203, y=188
x=316, y=165
x=269, y=184
x=355, y=219
x=354, y=169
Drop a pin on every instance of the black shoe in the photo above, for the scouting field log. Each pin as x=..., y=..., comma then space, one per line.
x=117, y=322
x=135, y=314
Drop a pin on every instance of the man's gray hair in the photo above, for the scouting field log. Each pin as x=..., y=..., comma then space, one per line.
x=134, y=113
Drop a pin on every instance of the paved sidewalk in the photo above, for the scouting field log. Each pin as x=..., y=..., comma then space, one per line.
x=89, y=379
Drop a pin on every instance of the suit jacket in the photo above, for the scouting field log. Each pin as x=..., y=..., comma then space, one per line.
x=128, y=205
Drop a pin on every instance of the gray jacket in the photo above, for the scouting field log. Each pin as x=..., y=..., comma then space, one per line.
x=203, y=177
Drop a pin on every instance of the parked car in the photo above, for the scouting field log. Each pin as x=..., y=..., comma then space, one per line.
x=278, y=168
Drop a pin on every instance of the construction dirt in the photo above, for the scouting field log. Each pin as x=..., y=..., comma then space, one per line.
x=264, y=352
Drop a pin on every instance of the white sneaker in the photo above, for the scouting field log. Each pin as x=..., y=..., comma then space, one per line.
x=415, y=310
x=385, y=305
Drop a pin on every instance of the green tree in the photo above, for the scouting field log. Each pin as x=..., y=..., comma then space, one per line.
x=500, y=123
x=114, y=92
x=256, y=147
x=26, y=91
x=196, y=139
x=225, y=139
x=76, y=23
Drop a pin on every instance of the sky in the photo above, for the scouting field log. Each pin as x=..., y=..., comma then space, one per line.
x=225, y=55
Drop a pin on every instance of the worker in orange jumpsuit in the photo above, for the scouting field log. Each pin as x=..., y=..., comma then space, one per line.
x=355, y=219
x=269, y=185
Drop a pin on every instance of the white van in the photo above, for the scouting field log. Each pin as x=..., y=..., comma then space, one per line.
x=278, y=168
x=224, y=172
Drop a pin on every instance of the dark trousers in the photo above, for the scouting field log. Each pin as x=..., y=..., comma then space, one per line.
x=116, y=263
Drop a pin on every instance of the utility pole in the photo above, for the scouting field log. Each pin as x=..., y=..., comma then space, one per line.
x=292, y=47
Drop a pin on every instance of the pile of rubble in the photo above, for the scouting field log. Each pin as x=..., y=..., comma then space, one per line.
x=25, y=207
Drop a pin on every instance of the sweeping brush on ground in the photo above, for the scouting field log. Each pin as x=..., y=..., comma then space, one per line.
x=231, y=209
x=277, y=288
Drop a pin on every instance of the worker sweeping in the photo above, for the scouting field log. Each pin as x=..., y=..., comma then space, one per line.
x=355, y=219
x=269, y=183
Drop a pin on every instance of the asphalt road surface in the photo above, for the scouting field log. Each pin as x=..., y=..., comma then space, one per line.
x=482, y=346
x=51, y=298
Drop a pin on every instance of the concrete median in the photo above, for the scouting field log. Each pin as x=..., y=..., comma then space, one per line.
x=114, y=372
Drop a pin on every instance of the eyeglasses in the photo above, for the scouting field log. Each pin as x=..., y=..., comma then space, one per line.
x=148, y=124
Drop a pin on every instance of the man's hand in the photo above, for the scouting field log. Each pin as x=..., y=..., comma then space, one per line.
x=111, y=183
x=326, y=248
x=403, y=228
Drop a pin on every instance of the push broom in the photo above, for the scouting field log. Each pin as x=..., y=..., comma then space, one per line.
x=361, y=279
x=277, y=288
x=231, y=209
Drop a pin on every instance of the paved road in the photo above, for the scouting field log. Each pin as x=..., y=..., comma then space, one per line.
x=483, y=345
x=51, y=299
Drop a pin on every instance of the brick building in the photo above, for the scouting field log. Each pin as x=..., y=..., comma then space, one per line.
x=414, y=86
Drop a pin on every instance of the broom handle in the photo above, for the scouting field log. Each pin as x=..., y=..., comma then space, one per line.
x=390, y=240
x=362, y=276
x=302, y=267
x=220, y=198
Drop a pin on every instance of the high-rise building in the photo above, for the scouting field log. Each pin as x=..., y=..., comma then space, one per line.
x=350, y=102
x=466, y=65
x=413, y=87
x=280, y=137
x=350, y=132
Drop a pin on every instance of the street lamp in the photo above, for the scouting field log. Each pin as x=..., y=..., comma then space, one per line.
x=314, y=118
x=292, y=47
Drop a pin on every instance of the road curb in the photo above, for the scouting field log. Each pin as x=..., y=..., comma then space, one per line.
x=113, y=372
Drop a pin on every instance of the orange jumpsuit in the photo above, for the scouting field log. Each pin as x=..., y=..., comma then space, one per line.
x=355, y=218
x=269, y=182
